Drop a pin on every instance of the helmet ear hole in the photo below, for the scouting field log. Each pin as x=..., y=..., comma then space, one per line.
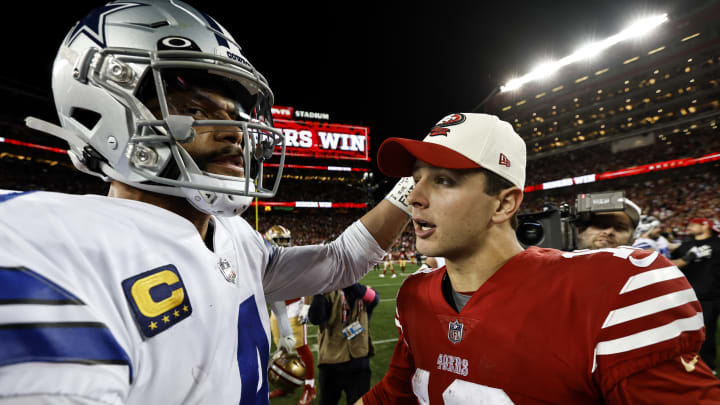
x=87, y=118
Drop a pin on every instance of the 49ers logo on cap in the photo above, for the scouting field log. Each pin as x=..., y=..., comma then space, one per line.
x=440, y=127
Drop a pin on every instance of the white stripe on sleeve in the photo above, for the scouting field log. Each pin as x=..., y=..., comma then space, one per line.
x=36, y=313
x=651, y=336
x=649, y=307
x=651, y=277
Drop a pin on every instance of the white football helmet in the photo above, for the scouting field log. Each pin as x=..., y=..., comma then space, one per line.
x=647, y=224
x=114, y=80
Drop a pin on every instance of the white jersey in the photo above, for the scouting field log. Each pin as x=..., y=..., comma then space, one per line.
x=660, y=245
x=645, y=243
x=121, y=302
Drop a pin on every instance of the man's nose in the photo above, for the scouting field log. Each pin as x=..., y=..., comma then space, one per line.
x=229, y=134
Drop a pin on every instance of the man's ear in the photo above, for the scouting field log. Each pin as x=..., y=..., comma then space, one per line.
x=510, y=200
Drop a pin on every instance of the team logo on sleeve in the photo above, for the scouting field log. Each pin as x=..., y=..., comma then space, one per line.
x=455, y=331
x=158, y=299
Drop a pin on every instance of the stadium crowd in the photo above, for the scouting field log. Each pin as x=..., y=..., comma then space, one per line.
x=595, y=159
x=673, y=199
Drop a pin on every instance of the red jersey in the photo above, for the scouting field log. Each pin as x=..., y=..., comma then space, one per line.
x=547, y=327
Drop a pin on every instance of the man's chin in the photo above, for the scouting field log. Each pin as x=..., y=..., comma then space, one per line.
x=602, y=244
x=225, y=170
x=429, y=251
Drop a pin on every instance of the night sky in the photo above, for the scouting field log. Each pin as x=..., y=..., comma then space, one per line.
x=396, y=68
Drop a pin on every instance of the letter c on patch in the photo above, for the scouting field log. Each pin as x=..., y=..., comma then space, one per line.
x=140, y=292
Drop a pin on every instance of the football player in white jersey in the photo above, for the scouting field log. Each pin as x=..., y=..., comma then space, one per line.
x=648, y=236
x=157, y=294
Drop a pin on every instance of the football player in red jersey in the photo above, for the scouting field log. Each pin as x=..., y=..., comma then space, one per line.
x=503, y=325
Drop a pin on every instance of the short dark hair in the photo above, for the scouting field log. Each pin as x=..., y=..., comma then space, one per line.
x=494, y=184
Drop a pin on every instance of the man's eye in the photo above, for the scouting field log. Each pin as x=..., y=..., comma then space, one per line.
x=444, y=181
x=196, y=112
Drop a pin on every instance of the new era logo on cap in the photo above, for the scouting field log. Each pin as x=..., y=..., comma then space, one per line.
x=504, y=161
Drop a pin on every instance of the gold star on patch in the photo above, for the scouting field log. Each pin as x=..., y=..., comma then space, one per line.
x=153, y=325
x=185, y=308
x=166, y=319
x=176, y=313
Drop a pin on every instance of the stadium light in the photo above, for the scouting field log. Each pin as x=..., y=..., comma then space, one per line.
x=636, y=29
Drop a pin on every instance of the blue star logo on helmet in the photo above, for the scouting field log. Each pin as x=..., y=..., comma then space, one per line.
x=93, y=25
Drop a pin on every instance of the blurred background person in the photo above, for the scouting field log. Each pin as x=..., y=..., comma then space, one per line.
x=609, y=229
x=402, y=259
x=648, y=236
x=288, y=327
x=699, y=258
x=388, y=263
x=345, y=344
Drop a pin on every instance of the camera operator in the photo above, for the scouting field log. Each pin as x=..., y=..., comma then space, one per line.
x=609, y=229
x=699, y=259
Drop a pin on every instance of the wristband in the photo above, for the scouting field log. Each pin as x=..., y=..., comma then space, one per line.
x=398, y=195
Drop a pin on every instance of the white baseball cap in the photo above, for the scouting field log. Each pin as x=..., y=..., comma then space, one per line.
x=460, y=141
x=632, y=211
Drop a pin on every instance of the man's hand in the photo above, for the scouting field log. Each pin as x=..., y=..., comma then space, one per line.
x=398, y=195
x=303, y=314
x=287, y=343
x=696, y=253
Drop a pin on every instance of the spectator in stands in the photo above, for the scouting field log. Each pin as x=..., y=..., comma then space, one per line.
x=345, y=344
x=699, y=259
x=609, y=229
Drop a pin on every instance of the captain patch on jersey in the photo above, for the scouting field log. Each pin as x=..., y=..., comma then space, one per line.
x=158, y=299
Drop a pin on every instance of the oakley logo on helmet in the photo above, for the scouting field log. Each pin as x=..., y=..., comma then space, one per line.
x=175, y=43
x=504, y=161
x=452, y=119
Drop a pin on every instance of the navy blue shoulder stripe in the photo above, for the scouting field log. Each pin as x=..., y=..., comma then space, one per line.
x=10, y=196
x=62, y=342
x=19, y=285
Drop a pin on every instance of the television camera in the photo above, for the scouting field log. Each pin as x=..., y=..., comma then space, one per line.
x=557, y=226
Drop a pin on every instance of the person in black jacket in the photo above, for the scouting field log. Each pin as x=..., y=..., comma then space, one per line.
x=345, y=345
x=699, y=259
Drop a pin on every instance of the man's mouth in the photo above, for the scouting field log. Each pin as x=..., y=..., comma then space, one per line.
x=604, y=240
x=423, y=228
x=231, y=164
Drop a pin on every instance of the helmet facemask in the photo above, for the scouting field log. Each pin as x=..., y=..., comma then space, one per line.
x=194, y=98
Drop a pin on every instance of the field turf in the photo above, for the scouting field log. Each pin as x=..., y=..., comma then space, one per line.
x=382, y=329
